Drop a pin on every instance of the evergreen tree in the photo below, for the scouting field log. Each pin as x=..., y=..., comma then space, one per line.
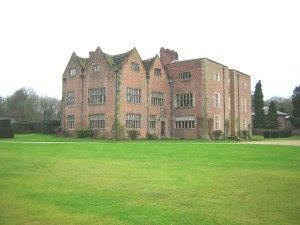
x=272, y=118
x=259, y=120
x=296, y=107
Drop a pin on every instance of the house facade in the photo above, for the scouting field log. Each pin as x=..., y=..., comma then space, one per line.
x=161, y=95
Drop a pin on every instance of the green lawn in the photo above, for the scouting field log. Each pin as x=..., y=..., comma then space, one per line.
x=147, y=182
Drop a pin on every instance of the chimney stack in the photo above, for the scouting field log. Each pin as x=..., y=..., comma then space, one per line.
x=167, y=56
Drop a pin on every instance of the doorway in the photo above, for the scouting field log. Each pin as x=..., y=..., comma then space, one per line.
x=162, y=128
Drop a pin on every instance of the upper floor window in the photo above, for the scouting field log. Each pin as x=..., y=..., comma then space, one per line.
x=243, y=105
x=217, y=120
x=97, y=121
x=217, y=100
x=157, y=98
x=70, y=121
x=133, y=95
x=135, y=66
x=157, y=72
x=184, y=100
x=217, y=76
x=243, y=84
x=72, y=71
x=184, y=122
x=97, y=95
x=133, y=121
x=185, y=75
x=152, y=122
x=70, y=98
x=95, y=69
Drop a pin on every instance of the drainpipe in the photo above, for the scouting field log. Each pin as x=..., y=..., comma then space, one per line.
x=81, y=116
x=171, y=83
x=116, y=103
x=224, y=119
x=147, y=78
x=239, y=109
x=63, y=104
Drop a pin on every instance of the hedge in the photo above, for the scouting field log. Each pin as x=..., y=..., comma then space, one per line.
x=277, y=134
x=44, y=127
x=6, y=132
x=50, y=126
x=27, y=127
x=4, y=123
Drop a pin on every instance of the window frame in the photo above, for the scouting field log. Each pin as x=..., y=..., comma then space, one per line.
x=97, y=123
x=71, y=74
x=70, y=122
x=133, y=121
x=97, y=98
x=217, y=101
x=185, y=122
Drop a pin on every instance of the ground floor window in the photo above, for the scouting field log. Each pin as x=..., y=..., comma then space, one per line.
x=244, y=124
x=133, y=121
x=152, y=122
x=70, y=121
x=184, y=122
x=217, y=122
x=97, y=121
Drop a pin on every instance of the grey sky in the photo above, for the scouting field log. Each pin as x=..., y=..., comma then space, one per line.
x=260, y=38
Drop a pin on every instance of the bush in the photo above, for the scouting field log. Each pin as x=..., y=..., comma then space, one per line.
x=216, y=134
x=245, y=134
x=151, y=136
x=133, y=134
x=84, y=133
x=4, y=123
x=7, y=132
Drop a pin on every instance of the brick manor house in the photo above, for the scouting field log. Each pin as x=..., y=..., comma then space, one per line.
x=161, y=95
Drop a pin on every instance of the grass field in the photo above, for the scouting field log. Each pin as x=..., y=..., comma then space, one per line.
x=147, y=182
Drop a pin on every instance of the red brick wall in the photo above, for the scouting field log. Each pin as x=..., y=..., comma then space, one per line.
x=192, y=85
x=134, y=79
x=159, y=84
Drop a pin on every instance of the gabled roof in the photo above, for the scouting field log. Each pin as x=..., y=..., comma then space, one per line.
x=148, y=63
x=116, y=61
x=82, y=62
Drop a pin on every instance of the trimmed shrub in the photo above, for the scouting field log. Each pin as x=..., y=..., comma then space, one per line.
x=50, y=126
x=27, y=127
x=271, y=134
x=133, y=134
x=151, y=136
x=6, y=132
x=4, y=123
x=84, y=133
x=285, y=133
x=216, y=134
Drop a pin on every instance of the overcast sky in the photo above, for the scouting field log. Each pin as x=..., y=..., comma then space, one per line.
x=258, y=37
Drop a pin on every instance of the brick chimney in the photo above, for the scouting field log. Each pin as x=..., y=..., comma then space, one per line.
x=167, y=56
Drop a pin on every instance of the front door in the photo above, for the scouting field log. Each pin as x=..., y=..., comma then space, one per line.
x=162, y=128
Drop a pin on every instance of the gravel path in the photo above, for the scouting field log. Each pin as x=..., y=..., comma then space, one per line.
x=275, y=142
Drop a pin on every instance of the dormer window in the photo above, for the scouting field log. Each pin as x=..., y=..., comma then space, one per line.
x=135, y=66
x=95, y=68
x=217, y=76
x=185, y=75
x=72, y=71
x=157, y=72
